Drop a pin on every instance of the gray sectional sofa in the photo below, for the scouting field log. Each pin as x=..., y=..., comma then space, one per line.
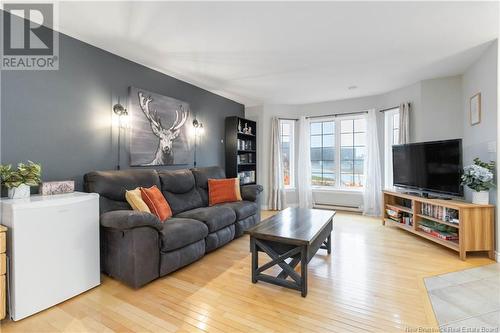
x=137, y=248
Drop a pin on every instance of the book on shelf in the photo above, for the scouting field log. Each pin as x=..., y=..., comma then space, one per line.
x=408, y=220
x=399, y=217
x=425, y=228
x=438, y=230
x=445, y=235
x=439, y=212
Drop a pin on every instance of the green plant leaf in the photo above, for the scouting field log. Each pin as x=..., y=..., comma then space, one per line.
x=26, y=173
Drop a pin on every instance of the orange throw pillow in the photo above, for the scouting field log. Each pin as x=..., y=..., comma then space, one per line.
x=156, y=202
x=223, y=190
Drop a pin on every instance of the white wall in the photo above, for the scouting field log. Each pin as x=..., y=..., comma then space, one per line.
x=439, y=116
x=481, y=140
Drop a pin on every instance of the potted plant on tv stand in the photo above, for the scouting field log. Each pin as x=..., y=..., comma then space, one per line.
x=479, y=178
x=19, y=181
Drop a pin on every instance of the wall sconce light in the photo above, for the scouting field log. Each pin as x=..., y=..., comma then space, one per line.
x=198, y=130
x=119, y=110
x=122, y=115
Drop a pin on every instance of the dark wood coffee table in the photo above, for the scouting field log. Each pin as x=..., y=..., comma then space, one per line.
x=296, y=234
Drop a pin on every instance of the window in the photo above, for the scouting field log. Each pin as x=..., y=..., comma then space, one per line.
x=391, y=138
x=352, y=152
x=287, y=150
x=339, y=139
x=395, y=128
x=323, y=153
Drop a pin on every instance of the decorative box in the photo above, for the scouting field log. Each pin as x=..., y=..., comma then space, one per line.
x=58, y=187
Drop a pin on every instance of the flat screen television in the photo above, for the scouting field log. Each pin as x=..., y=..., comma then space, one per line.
x=429, y=166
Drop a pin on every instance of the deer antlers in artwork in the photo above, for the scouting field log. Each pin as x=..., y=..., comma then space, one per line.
x=164, y=154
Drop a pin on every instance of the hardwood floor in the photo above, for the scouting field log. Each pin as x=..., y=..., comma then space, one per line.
x=372, y=281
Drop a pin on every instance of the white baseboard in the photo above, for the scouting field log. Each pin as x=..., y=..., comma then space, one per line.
x=339, y=207
x=497, y=256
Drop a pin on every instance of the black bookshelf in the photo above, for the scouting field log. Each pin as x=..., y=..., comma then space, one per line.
x=241, y=149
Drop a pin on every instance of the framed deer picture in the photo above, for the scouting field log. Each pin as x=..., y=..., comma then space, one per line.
x=159, y=129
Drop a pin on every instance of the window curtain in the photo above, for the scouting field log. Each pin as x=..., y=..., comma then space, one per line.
x=277, y=198
x=304, y=186
x=404, y=123
x=372, y=195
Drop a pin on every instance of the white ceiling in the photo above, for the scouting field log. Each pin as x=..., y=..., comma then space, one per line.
x=289, y=53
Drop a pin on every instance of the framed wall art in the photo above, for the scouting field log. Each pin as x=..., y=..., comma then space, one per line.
x=475, y=109
x=159, y=133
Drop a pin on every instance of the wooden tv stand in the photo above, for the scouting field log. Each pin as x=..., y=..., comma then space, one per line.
x=475, y=226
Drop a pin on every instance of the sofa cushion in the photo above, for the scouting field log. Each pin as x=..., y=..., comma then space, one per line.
x=108, y=205
x=129, y=219
x=201, y=176
x=251, y=192
x=223, y=190
x=219, y=238
x=214, y=217
x=111, y=186
x=134, y=199
x=178, y=187
x=179, y=232
x=243, y=225
x=156, y=202
x=243, y=209
x=173, y=260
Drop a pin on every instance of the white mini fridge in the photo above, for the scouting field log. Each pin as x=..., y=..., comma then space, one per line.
x=52, y=248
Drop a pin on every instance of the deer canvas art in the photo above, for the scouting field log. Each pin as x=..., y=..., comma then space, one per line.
x=159, y=129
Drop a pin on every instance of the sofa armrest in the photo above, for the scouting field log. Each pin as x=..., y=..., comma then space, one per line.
x=251, y=192
x=129, y=219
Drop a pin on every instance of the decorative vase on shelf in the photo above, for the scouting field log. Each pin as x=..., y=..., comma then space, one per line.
x=481, y=197
x=20, y=192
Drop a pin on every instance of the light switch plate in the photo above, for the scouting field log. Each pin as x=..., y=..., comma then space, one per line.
x=492, y=147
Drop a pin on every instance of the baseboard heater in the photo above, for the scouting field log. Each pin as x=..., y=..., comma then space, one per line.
x=338, y=207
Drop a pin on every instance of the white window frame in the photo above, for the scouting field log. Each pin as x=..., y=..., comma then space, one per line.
x=292, y=150
x=388, y=136
x=337, y=133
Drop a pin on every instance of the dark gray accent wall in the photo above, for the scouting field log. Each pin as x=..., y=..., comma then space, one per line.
x=62, y=119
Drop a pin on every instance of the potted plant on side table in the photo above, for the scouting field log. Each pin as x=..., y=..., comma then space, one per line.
x=479, y=178
x=19, y=181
